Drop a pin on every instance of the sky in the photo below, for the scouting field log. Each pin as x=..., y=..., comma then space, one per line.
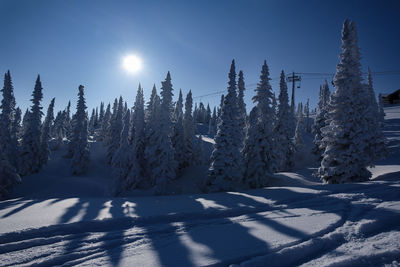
x=84, y=42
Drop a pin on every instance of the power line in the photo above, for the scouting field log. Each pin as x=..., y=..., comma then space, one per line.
x=314, y=77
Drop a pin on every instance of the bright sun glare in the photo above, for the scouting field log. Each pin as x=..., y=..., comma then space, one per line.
x=132, y=63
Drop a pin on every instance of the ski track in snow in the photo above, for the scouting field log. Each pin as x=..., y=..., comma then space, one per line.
x=308, y=224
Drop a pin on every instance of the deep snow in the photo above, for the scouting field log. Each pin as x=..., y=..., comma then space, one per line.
x=56, y=219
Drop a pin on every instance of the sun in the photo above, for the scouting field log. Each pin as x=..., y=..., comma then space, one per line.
x=132, y=63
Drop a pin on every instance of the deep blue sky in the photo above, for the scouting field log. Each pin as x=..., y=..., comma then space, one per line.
x=82, y=42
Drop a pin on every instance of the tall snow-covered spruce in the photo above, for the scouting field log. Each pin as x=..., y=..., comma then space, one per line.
x=225, y=172
x=320, y=119
x=30, y=148
x=260, y=141
x=188, y=130
x=45, y=135
x=114, y=131
x=8, y=139
x=178, y=139
x=283, y=128
x=345, y=158
x=79, y=140
x=242, y=116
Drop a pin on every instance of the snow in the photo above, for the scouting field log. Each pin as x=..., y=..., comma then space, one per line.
x=56, y=219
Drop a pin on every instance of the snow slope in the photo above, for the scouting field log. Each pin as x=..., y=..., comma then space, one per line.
x=301, y=222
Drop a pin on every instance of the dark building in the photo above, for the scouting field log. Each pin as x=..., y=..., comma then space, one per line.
x=390, y=99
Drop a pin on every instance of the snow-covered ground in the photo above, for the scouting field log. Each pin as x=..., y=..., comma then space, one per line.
x=55, y=219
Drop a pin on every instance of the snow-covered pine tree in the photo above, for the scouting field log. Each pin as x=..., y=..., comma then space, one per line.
x=8, y=177
x=92, y=122
x=225, y=172
x=320, y=119
x=242, y=115
x=282, y=128
x=254, y=175
x=58, y=131
x=67, y=122
x=345, y=158
x=79, y=137
x=45, y=134
x=167, y=165
x=377, y=148
x=30, y=148
x=105, y=123
x=114, y=132
x=101, y=113
x=274, y=108
x=188, y=130
x=152, y=125
x=125, y=167
x=137, y=136
x=264, y=135
x=178, y=139
x=208, y=114
x=221, y=103
x=8, y=146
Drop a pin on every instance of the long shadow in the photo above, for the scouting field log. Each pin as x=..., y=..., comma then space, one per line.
x=27, y=204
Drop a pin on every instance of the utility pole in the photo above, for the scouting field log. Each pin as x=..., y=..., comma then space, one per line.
x=294, y=78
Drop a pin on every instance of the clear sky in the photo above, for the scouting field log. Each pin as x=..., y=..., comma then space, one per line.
x=83, y=42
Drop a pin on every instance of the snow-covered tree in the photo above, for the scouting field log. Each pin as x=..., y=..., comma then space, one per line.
x=16, y=128
x=345, y=158
x=225, y=172
x=254, y=174
x=165, y=169
x=30, y=148
x=263, y=135
x=25, y=120
x=377, y=148
x=320, y=119
x=126, y=169
x=242, y=115
x=59, y=131
x=79, y=137
x=8, y=177
x=137, y=133
x=152, y=120
x=188, y=129
x=114, y=132
x=67, y=122
x=45, y=134
x=178, y=138
x=8, y=146
x=282, y=128
x=105, y=123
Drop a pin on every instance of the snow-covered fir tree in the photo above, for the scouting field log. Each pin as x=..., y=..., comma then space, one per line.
x=188, y=130
x=114, y=132
x=165, y=169
x=282, y=128
x=320, y=119
x=208, y=114
x=8, y=177
x=263, y=135
x=178, y=138
x=242, y=115
x=16, y=128
x=105, y=123
x=79, y=137
x=377, y=148
x=30, y=148
x=46, y=134
x=24, y=125
x=8, y=136
x=345, y=158
x=254, y=175
x=125, y=167
x=137, y=136
x=152, y=125
x=225, y=172
x=381, y=112
x=59, y=132
x=67, y=122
